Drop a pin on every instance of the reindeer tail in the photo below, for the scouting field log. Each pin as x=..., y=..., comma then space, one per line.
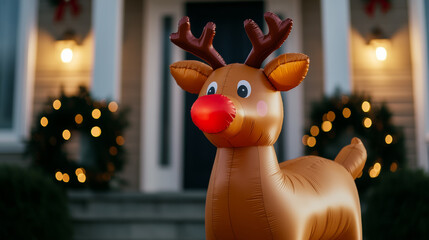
x=353, y=157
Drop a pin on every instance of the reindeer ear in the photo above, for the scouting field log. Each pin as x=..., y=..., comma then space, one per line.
x=287, y=70
x=190, y=75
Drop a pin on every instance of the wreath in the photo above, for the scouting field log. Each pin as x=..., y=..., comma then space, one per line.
x=95, y=128
x=336, y=120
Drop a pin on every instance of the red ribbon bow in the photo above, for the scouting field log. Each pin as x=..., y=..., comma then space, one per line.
x=59, y=13
x=370, y=6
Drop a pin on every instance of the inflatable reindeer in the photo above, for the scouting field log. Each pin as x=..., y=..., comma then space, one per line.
x=240, y=110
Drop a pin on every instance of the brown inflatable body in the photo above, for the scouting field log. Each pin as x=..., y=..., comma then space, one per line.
x=240, y=111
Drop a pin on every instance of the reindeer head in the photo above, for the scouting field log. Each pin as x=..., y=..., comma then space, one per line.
x=239, y=104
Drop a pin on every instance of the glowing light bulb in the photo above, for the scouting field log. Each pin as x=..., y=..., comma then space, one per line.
x=96, y=131
x=59, y=176
x=66, y=134
x=96, y=113
x=120, y=140
x=78, y=118
x=347, y=112
x=311, y=141
x=66, y=177
x=56, y=104
x=388, y=139
x=393, y=167
x=330, y=116
x=305, y=139
x=81, y=177
x=113, y=106
x=113, y=151
x=366, y=106
x=44, y=121
x=381, y=53
x=66, y=55
x=367, y=122
x=326, y=126
x=314, y=130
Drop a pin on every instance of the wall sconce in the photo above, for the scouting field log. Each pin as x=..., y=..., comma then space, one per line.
x=66, y=45
x=380, y=43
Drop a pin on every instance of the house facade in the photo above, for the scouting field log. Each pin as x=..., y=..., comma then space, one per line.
x=123, y=52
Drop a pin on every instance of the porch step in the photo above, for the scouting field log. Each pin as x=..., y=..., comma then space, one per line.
x=131, y=216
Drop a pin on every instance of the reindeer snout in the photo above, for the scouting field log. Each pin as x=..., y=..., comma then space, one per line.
x=213, y=113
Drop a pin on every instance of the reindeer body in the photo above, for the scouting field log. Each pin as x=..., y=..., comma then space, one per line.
x=251, y=197
x=240, y=111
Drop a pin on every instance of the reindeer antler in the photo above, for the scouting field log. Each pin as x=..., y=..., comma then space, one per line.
x=201, y=47
x=264, y=45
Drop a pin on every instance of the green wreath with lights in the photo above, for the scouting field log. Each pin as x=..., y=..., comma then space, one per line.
x=96, y=127
x=336, y=120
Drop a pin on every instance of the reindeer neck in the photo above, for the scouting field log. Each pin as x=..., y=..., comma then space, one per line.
x=236, y=183
x=245, y=163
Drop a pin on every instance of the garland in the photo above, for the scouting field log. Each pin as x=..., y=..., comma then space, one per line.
x=100, y=127
x=336, y=120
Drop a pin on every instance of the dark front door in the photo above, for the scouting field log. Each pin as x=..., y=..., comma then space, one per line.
x=233, y=44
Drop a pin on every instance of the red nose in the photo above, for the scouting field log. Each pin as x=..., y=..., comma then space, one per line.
x=213, y=113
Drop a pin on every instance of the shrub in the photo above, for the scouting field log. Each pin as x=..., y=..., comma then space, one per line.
x=32, y=206
x=398, y=207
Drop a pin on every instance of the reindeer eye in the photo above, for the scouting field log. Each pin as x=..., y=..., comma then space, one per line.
x=244, y=89
x=212, y=88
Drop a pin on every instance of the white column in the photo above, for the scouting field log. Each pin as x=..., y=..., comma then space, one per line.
x=107, y=19
x=418, y=38
x=11, y=141
x=294, y=99
x=336, y=53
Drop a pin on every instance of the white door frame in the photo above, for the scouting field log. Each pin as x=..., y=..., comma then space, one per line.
x=153, y=176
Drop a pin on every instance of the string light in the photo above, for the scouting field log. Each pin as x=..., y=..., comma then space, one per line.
x=44, y=121
x=326, y=126
x=325, y=117
x=66, y=177
x=377, y=166
x=81, y=177
x=367, y=122
x=120, y=140
x=78, y=118
x=66, y=134
x=330, y=116
x=59, y=176
x=388, y=139
x=311, y=141
x=96, y=113
x=79, y=171
x=113, y=151
x=56, y=104
x=374, y=171
x=96, y=131
x=347, y=112
x=393, y=167
x=113, y=106
x=314, y=130
x=110, y=167
x=304, y=139
x=366, y=106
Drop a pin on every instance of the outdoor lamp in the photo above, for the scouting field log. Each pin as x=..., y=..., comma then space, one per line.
x=380, y=44
x=66, y=45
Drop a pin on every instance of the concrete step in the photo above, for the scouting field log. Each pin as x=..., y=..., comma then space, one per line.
x=130, y=216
